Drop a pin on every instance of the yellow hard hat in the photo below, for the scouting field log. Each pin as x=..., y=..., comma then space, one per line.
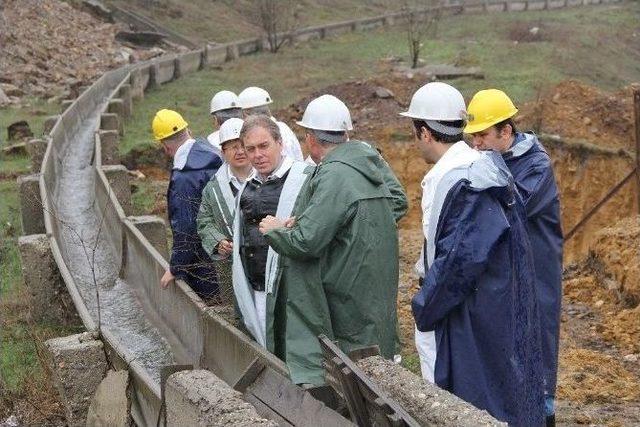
x=487, y=108
x=167, y=123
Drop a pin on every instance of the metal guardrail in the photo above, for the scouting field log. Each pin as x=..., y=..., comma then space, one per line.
x=196, y=335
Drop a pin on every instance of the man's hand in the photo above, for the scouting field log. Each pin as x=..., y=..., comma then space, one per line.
x=225, y=247
x=290, y=222
x=167, y=278
x=270, y=222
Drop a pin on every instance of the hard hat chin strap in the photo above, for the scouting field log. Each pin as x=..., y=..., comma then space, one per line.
x=445, y=129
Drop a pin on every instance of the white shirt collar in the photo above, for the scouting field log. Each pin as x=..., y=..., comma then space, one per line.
x=233, y=179
x=182, y=153
x=285, y=165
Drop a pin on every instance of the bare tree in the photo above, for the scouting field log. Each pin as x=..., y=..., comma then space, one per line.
x=277, y=19
x=421, y=23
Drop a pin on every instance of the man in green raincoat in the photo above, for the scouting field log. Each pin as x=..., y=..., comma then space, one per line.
x=340, y=250
x=215, y=217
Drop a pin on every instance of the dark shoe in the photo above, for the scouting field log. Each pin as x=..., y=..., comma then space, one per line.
x=551, y=420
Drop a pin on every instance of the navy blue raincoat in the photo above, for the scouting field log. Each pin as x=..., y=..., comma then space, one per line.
x=189, y=261
x=479, y=294
x=530, y=166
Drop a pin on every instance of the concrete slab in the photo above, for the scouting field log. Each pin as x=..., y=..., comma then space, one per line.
x=78, y=365
x=49, y=123
x=111, y=406
x=124, y=93
x=49, y=300
x=36, y=149
x=426, y=402
x=215, y=55
x=118, y=177
x=31, y=204
x=111, y=121
x=199, y=398
x=154, y=229
x=109, y=140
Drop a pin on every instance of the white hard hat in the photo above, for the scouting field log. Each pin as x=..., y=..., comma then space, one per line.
x=224, y=100
x=437, y=101
x=327, y=113
x=230, y=130
x=254, y=97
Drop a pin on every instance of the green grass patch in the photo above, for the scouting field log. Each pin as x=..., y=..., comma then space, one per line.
x=412, y=363
x=568, y=48
x=34, y=112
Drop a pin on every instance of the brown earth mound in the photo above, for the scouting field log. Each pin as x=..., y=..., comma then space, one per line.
x=587, y=376
x=618, y=247
x=579, y=111
x=49, y=47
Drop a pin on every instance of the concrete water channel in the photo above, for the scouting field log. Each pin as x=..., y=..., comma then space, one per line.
x=112, y=271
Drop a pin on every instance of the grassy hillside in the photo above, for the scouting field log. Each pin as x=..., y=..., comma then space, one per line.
x=598, y=45
x=226, y=20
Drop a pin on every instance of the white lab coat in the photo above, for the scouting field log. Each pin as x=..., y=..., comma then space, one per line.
x=458, y=155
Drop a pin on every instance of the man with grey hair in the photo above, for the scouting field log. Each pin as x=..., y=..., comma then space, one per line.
x=254, y=101
x=340, y=251
x=224, y=106
x=271, y=190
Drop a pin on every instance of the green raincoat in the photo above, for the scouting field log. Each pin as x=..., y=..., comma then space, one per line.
x=215, y=223
x=339, y=261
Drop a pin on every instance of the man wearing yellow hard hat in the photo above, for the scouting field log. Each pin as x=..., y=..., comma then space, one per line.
x=194, y=163
x=477, y=291
x=490, y=122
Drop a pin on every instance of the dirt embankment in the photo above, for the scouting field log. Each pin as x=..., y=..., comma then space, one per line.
x=50, y=48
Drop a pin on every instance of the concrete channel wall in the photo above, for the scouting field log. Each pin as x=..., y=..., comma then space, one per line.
x=196, y=334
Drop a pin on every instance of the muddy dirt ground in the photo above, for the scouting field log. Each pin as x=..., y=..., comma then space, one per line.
x=599, y=376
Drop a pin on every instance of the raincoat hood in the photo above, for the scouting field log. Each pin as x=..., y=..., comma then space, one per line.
x=490, y=172
x=522, y=143
x=202, y=156
x=360, y=156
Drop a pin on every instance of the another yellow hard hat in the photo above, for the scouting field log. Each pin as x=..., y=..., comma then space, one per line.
x=487, y=108
x=167, y=123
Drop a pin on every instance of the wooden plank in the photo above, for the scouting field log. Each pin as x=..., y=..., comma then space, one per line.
x=361, y=353
x=291, y=402
x=249, y=375
x=355, y=401
x=265, y=411
x=329, y=347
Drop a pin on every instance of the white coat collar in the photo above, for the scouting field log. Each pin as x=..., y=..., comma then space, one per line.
x=182, y=153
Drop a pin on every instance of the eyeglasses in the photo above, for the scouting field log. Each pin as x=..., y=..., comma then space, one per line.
x=232, y=147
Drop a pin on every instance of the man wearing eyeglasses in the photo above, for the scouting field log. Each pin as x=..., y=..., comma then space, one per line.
x=215, y=218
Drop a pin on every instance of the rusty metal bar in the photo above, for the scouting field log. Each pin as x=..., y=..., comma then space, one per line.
x=604, y=200
x=636, y=110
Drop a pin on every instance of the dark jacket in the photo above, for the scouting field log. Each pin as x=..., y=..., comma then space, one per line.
x=479, y=296
x=531, y=168
x=189, y=261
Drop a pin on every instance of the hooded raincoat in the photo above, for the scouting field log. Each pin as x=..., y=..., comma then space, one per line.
x=340, y=261
x=530, y=166
x=479, y=294
x=189, y=261
x=215, y=223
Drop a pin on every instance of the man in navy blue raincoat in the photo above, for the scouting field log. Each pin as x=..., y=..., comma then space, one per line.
x=493, y=128
x=478, y=292
x=194, y=163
